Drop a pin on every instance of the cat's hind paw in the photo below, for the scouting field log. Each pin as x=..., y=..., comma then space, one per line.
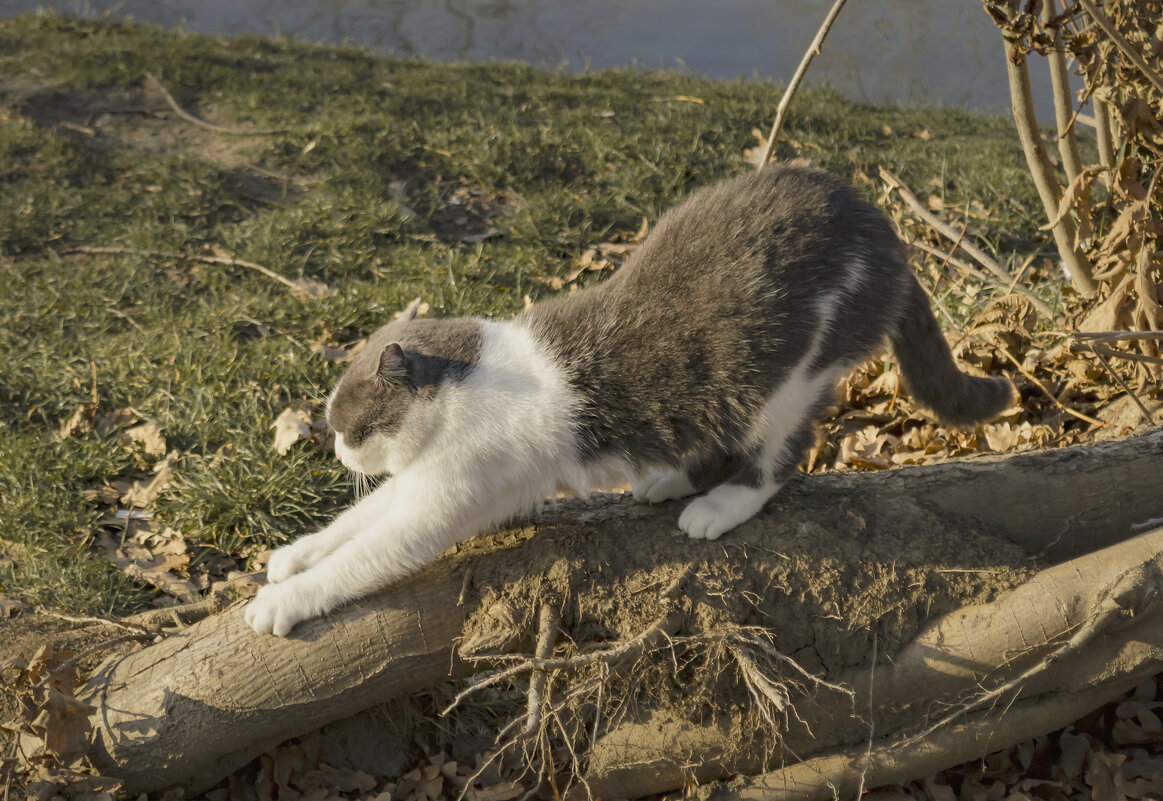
x=278, y=607
x=720, y=510
x=666, y=484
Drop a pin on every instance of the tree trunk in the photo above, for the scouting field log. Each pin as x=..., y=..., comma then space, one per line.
x=834, y=563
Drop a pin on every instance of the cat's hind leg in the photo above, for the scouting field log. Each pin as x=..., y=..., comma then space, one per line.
x=697, y=474
x=740, y=498
x=777, y=442
x=659, y=484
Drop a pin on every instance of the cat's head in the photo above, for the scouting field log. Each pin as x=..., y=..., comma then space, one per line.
x=370, y=404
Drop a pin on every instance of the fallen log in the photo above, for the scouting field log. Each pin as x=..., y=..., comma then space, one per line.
x=834, y=564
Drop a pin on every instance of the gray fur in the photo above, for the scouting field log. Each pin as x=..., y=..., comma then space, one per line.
x=675, y=355
x=379, y=387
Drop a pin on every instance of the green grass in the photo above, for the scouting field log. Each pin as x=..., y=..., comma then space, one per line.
x=213, y=353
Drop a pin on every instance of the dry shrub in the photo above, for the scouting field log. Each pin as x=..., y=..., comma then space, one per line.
x=1114, y=206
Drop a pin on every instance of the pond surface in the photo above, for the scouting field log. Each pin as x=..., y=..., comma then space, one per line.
x=943, y=52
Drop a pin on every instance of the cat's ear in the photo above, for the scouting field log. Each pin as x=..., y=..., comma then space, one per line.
x=412, y=311
x=393, y=364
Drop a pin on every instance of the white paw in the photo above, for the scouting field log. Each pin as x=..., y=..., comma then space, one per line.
x=278, y=607
x=294, y=558
x=720, y=510
x=665, y=484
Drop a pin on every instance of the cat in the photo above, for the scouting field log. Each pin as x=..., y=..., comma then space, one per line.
x=699, y=366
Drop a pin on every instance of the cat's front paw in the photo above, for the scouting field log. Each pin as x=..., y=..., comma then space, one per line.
x=291, y=559
x=720, y=510
x=278, y=607
x=661, y=485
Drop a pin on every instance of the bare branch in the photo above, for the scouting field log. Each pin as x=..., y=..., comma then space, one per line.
x=1022, y=103
x=190, y=118
x=801, y=70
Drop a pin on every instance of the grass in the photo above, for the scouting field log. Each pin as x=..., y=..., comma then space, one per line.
x=213, y=353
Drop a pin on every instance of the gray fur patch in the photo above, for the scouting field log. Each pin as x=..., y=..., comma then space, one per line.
x=675, y=355
x=436, y=352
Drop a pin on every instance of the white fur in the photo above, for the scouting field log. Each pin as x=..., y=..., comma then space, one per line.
x=721, y=509
x=663, y=484
x=483, y=450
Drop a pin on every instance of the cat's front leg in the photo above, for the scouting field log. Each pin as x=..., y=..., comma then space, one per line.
x=425, y=513
x=306, y=551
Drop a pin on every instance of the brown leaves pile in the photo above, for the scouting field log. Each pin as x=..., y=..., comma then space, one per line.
x=52, y=728
x=1112, y=754
x=130, y=535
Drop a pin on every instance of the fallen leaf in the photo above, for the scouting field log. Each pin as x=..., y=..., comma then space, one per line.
x=143, y=493
x=141, y=564
x=9, y=607
x=148, y=436
x=290, y=426
x=310, y=288
x=104, y=423
x=77, y=423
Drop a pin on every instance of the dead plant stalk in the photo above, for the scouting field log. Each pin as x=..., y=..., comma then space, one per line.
x=812, y=51
x=1022, y=104
x=1004, y=279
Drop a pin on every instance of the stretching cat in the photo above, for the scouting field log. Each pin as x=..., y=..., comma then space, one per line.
x=700, y=365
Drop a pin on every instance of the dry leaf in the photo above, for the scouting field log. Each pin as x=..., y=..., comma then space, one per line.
x=291, y=426
x=9, y=607
x=310, y=288
x=148, y=436
x=140, y=563
x=77, y=423
x=143, y=493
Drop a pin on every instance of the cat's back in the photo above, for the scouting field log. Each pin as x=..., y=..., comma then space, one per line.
x=779, y=224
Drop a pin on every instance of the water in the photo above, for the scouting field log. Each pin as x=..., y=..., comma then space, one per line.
x=944, y=52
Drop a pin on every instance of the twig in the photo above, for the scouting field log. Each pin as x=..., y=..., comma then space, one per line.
x=1041, y=305
x=298, y=287
x=1003, y=278
x=1118, y=354
x=1013, y=360
x=1122, y=44
x=1113, y=336
x=127, y=626
x=185, y=614
x=944, y=228
x=68, y=663
x=547, y=627
x=871, y=721
x=222, y=129
x=812, y=51
x=1123, y=384
x=1063, y=105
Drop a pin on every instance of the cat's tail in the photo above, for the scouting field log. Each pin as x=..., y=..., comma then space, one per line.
x=933, y=379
